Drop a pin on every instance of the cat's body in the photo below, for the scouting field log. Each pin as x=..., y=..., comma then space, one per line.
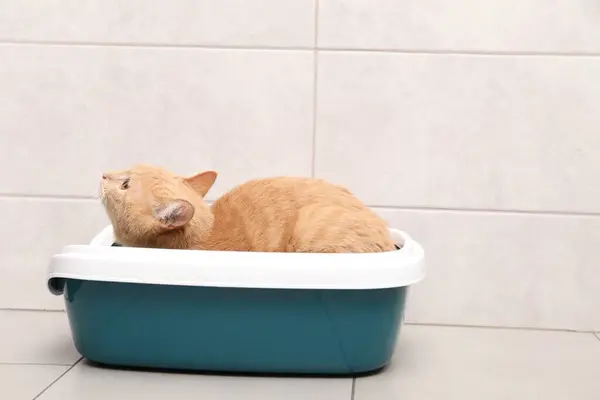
x=156, y=208
x=296, y=215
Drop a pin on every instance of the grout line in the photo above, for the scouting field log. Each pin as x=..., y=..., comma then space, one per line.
x=484, y=53
x=58, y=197
x=315, y=90
x=53, y=197
x=147, y=45
x=208, y=46
x=442, y=325
x=57, y=379
x=597, y=335
x=316, y=31
x=31, y=310
x=512, y=328
x=46, y=196
x=353, y=392
x=490, y=211
x=36, y=364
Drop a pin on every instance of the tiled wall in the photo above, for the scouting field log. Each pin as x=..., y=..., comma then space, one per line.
x=474, y=126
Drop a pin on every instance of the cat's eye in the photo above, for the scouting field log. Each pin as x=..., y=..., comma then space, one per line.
x=125, y=184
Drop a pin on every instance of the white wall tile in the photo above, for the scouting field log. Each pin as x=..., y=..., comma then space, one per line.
x=31, y=232
x=505, y=269
x=562, y=26
x=180, y=22
x=483, y=132
x=69, y=112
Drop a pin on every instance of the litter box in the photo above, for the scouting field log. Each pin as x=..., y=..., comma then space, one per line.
x=237, y=312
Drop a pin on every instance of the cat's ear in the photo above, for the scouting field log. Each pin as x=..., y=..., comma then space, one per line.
x=175, y=214
x=202, y=182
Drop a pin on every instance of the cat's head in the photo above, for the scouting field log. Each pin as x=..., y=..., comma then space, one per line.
x=146, y=202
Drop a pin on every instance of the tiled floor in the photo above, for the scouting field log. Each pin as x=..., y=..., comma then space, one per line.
x=38, y=361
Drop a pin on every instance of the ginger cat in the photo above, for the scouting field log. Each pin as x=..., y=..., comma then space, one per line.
x=151, y=207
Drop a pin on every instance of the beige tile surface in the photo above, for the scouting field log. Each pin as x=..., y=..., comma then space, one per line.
x=470, y=364
x=24, y=382
x=449, y=131
x=34, y=230
x=91, y=383
x=505, y=269
x=471, y=25
x=194, y=22
x=30, y=337
x=74, y=111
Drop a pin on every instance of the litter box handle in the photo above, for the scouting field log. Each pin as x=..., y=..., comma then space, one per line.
x=410, y=245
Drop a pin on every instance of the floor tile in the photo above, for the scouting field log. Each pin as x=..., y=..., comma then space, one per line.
x=90, y=383
x=492, y=364
x=28, y=337
x=24, y=382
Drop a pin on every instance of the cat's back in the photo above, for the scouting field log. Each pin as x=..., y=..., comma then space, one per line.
x=297, y=214
x=293, y=191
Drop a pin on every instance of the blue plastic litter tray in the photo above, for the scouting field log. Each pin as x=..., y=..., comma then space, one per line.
x=282, y=313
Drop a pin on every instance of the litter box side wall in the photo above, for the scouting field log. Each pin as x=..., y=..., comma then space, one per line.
x=298, y=331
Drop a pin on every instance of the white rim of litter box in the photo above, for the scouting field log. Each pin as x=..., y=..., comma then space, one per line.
x=100, y=262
